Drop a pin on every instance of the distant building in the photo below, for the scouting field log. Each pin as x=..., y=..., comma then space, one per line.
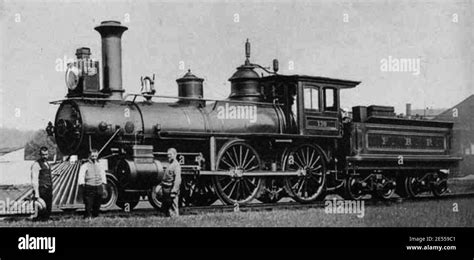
x=428, y=113
x=463, y=131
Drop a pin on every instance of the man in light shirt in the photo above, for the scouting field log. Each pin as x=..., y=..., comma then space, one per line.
x=91, y=178
x=171, y=184
x=42, y=183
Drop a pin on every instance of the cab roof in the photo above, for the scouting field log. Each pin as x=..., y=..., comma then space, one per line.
x=340, y=83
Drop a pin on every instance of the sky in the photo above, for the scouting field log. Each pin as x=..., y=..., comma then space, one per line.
x=354, y=40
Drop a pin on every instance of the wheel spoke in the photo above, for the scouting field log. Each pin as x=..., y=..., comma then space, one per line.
x=227, y=186
x=318, y=180
x=301, y=186
x=236, y=157
x=224, y=161
x=247, y=188
x=304, y=158
x=238, y=191
x=248, y=163
x=299, y=166
x=305, y=188
x=317, y=159
x=232, y=190
x=311, y=159
x=298, y=184
x=301, y=161
x=245, y=157
x=240, y=156
x=230, y=157
x=250, y=182
x=307, y=154
x=251, y=169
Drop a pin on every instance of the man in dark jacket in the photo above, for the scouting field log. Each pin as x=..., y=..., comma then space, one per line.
x=42, y=183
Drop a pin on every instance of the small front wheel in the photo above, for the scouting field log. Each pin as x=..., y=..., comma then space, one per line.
x=111, y=194
x=154, y=196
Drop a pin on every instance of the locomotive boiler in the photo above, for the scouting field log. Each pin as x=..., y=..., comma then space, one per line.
x=274, y=136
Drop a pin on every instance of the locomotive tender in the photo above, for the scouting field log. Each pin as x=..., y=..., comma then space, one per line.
x=274, y=136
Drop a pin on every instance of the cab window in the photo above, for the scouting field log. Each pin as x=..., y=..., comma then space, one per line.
x=330, y=99
x=311, y=98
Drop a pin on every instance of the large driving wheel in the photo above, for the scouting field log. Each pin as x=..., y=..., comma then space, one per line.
x=309, y=185
x=238, y=158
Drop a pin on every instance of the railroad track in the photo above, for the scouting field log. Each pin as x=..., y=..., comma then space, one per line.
x=194, y=210
x=318, y=204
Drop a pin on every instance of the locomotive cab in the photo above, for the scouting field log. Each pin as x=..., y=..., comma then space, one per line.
x=311, y=104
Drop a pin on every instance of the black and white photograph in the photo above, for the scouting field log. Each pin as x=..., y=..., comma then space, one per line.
x=255, y=119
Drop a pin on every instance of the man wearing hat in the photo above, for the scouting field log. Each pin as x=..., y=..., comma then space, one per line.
x=42, y=183
x=170, y=185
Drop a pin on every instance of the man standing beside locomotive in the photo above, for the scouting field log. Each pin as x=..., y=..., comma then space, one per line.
x=92, y=178
x=170, y=185
x=42, y=183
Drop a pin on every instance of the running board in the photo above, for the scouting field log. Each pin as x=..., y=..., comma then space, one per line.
x=252, y=173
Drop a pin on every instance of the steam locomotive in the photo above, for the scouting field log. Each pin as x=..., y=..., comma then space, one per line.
x=274, y=136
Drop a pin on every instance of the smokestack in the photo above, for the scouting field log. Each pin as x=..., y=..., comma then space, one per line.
x=408, y=110
x=111, y=34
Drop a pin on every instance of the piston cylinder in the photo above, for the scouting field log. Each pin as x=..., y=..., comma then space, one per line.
x=139, y=175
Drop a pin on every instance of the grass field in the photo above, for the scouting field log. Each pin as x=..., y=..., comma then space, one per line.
x=408, y=214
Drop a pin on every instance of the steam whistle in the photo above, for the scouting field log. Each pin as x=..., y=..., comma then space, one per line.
x=247, y=52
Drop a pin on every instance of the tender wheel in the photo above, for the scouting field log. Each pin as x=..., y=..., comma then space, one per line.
x=412, y=186
x=386, y=189
x=273, y=190
x=352, y=189
x=310, y=184
x=128, y=200
x=237, y=157
x=197, y=191
x=111, y=194
x=154, y=196
x=401, y=189
x=440, y=186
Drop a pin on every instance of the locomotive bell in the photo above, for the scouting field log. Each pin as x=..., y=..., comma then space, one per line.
x=190, y=86
x=245, y=81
